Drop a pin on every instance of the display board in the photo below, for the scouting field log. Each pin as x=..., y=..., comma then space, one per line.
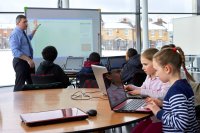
x=74, y=32
x=186, y=34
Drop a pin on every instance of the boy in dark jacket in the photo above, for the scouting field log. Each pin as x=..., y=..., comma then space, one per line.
x=94, y=59
x=49, y=54
x=132, y=66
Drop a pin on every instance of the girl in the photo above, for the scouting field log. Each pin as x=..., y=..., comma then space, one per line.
x=178, y=112
x=152, y=87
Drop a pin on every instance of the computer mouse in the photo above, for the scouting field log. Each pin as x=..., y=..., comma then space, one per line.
x=92, y=112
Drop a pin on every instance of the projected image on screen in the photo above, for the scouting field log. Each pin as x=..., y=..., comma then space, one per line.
x=69, y=36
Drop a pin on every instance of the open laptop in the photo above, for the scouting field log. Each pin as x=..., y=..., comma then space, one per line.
x=73, y=64
x=119, y=102
x=98, y=73
x=53, y=116
x=116, y=62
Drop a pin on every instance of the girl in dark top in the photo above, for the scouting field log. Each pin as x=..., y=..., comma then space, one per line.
x=49, y=54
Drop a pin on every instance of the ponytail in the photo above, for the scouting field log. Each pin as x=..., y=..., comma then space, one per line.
x=188, y=76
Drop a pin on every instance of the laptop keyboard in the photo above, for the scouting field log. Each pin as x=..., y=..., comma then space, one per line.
x=133, y=105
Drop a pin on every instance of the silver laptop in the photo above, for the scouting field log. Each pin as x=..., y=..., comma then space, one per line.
x=73, y=64
x=119, y=102
x=98, y=73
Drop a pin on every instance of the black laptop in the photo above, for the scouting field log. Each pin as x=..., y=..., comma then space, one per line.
x=119, y=102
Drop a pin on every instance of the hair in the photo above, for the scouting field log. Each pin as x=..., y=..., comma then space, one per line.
x=149, y=53
x=94, y=56
x=174, y=56
x=168, y=46
x=19, y=17
x=49, y=53
x=131, y=52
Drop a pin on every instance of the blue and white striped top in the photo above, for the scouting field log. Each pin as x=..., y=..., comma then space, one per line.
x=178, y=113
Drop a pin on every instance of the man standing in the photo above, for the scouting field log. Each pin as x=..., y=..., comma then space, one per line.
x=23, y=53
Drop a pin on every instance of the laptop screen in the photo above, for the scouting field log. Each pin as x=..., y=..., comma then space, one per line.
x=114, y=87
x=116, y=62
x=74, y=63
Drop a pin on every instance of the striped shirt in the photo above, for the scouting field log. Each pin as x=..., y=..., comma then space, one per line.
x=178, y=113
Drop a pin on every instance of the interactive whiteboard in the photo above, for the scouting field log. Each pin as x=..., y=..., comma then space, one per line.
x=74, y=32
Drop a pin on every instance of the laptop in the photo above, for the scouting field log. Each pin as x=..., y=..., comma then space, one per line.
x=98, y=73
x=53, y=116
x=73, y=64
x=119, y=102
x=116, y=62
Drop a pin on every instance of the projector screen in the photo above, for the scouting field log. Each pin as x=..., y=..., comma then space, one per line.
x=74, y=32
x=186, y=34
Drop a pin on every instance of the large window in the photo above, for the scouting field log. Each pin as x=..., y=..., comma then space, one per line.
x=161, y=28
x=120, y=30
x=118, y=25
x=18, y=6
x=105, y=5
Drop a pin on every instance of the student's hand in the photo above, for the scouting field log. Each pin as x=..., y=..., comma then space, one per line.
x=31, y=63
x=128, y=87
x=134, y=92
x=156, y=100
x=153, y=107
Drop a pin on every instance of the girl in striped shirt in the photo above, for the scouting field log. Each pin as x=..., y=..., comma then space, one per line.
x=178, y=112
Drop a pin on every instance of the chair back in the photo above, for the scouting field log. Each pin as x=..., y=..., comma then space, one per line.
x=46, y=81
x=87, y=81
x=137, y=79
x=43, y=78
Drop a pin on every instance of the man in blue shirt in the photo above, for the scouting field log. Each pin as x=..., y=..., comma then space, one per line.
x=23, y=53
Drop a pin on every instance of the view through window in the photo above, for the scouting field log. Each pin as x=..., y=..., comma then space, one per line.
x=118, y=25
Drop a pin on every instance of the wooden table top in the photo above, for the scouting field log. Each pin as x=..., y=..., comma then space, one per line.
x=12, y=104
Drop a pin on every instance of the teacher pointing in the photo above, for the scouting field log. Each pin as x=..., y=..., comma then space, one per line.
x=23, y=52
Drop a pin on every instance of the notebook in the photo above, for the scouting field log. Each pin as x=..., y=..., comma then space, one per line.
x=119, y=102
x=53, y=116
x=73, y=64
x=98, y=73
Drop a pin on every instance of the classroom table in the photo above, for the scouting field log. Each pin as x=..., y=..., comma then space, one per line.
x=12, y=104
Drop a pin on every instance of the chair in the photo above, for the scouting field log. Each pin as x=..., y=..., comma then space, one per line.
x=137, y=79
x=46, y=81
x=42, y=78
x=197, y=109
x=86, y=81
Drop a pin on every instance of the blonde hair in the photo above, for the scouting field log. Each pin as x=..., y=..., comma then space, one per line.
x=174, y=56
x=149, y=53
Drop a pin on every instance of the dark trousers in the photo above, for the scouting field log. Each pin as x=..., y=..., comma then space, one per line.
x=23, y=73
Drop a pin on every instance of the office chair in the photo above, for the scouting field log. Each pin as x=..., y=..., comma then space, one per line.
x=46, y=81
x=85, y=80
x=137, y=79
x=197, y=109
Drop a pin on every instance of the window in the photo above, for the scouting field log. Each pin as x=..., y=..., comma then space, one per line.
x=11, y=6
x=122, y=37
x=126, y=32
x=161, y=28
x=172, y=6
x=105, y=5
